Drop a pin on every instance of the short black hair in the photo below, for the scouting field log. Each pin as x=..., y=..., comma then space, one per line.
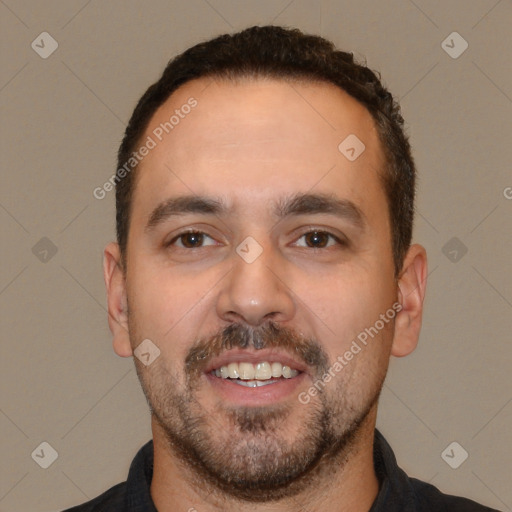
x=287, y=54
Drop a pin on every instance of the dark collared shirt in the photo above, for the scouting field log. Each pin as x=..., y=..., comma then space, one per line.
x=397, y=493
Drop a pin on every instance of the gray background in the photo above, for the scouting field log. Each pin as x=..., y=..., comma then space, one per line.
x=62, y=120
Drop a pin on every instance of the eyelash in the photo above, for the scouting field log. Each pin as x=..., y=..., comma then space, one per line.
x=338, y=240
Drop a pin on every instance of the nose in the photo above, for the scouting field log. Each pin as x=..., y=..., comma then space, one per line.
x=256, y=291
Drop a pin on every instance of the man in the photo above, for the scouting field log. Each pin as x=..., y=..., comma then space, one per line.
x=262, y=277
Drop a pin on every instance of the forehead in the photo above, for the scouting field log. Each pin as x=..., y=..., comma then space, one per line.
x=256, y=138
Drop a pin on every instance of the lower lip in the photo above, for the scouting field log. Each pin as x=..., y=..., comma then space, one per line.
x=261, y=395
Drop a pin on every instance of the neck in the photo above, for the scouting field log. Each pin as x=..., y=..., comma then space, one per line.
x=350, y=481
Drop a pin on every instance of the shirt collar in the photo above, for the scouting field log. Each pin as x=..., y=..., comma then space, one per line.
x=138, y=484
x=395, y=490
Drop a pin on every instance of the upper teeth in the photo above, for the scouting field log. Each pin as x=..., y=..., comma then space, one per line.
x=259, y=371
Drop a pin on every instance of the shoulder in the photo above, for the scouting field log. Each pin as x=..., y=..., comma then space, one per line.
x=430, y=499
x=111, y=500
x=401, y=492
x=133, y=495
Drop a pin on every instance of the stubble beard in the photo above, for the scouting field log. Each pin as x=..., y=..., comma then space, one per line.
x=247, y=453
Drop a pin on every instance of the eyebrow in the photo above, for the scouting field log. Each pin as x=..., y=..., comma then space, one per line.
x=308, y=204
x=181, y=205
x=297, y=204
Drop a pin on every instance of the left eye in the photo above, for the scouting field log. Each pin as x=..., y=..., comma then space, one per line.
x=192, y=240
x=317, y=240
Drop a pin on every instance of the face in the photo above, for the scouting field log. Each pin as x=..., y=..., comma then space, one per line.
x=258, y=254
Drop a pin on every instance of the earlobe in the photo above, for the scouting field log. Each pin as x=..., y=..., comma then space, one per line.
x=116, y=298
x=411, y=294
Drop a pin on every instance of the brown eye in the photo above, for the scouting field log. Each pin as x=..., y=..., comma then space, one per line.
x=317, y=239
x=191, y=240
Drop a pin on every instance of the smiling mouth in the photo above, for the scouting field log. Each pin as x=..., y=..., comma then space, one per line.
x=255, y=375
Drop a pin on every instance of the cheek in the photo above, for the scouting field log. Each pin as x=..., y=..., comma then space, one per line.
x=344, y=307
x=344, y=302
x=168, y=306
x=358, y=368
x=156, y=295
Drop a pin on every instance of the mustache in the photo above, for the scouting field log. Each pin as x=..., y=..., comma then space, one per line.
x=269, y=335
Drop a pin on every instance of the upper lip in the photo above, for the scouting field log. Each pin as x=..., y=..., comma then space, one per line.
x=237, y=355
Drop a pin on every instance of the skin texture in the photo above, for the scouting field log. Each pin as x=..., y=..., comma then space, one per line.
x=252, y=145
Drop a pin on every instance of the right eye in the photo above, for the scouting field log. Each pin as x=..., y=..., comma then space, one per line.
x=191, y=240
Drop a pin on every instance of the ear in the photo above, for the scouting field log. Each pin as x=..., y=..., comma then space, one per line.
x=116, y=297
x=412, y=284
